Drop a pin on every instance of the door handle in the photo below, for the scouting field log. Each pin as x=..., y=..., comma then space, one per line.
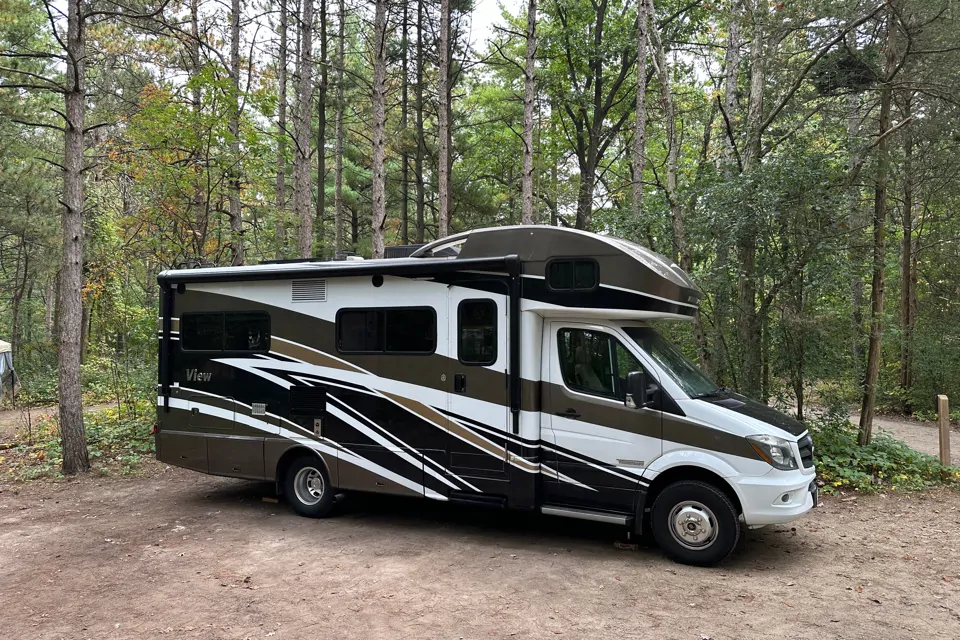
x=569, y=413
x=460, y=383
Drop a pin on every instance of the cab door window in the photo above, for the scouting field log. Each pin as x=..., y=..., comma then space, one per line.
x=594, y=362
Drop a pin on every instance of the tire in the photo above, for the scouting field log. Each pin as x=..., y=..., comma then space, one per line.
x=695, y=523
x=307, y=487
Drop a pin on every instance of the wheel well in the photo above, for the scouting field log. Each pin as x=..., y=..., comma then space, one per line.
x=287, y=459
x=676, y=474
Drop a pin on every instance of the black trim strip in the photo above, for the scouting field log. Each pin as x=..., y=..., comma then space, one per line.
x=516, y=284
x=165, y=373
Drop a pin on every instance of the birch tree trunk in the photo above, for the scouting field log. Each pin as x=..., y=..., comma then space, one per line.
x=379, y=186
x=69, y=306
x=338, y=134
x=235, y=209
x=640, y=124
x=301, y=161
x=281, y=196
x=869, y=402
x=529, y=96
x=443, y=120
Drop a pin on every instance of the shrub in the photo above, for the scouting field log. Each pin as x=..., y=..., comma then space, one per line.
x=884, y=464
x=118, y=440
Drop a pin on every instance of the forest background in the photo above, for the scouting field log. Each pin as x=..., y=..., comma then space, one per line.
x=798, y=158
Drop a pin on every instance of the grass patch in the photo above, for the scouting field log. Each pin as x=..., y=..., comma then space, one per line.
x=886, y=464
x=119, y=439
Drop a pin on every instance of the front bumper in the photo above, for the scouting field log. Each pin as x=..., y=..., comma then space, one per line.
x=777, y=497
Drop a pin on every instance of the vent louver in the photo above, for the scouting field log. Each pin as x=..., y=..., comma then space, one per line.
x=309, y=291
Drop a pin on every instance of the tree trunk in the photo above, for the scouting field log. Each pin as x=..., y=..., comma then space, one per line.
x=443, y=120
x=70, y=308
x=301, y=161
x=731, y=103
x=236, y=213
x=322, y=129
x=750, y=329
x=879, y=233
x=673, y=152
x=421, y=142
x=529, y=97
x=281, y=198
x=906, y=265
x=585, y=194
x=338, y=133
x=404, y=156
x=855, y=225
x=640, y=124
x=379, y=203
x=48, y=299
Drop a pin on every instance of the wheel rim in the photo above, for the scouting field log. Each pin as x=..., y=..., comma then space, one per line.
x=308, y=485
x=693, y=525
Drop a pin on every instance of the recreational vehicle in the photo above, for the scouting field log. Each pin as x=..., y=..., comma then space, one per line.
x=510, y=367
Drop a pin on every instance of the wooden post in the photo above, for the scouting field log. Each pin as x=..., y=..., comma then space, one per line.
x=943, y=416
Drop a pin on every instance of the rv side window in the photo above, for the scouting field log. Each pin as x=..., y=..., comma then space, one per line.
x=246, y=331
x=573, y=275
x=397, y=330
x=236, y=331
x=478, y=332
x=594, y=362
x=201, y=331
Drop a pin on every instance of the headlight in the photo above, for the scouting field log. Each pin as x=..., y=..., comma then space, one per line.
x=774, y=450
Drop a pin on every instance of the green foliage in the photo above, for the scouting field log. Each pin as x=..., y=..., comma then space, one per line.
x=119, y=440
x=886, y=464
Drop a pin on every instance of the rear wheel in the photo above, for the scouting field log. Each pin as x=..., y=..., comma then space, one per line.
x=307, y=487
x=695, y=523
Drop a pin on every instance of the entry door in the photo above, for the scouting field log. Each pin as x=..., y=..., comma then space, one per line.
x=478, y=399
x=596, y=446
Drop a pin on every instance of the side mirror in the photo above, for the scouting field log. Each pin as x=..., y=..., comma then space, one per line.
x=637, y=391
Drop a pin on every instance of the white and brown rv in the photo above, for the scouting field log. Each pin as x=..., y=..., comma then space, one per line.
x=508, y=367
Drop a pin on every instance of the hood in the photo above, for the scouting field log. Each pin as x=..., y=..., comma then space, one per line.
x=757, y=411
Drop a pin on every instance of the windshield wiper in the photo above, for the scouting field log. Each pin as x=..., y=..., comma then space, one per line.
x=719, y=391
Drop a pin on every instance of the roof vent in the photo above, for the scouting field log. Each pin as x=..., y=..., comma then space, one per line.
x=309, y=291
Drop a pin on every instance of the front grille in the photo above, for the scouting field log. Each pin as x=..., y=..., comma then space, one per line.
x=806, y=451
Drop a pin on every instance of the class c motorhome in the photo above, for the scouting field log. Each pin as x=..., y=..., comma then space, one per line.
x=509, y=367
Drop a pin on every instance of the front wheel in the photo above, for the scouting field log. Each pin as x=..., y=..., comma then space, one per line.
x=307, y=487
x=695, y=523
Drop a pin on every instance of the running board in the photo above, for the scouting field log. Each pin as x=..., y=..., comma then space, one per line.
x=478, y=500
x=584, y=514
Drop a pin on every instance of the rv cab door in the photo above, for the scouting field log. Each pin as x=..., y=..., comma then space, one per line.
x=595, y=447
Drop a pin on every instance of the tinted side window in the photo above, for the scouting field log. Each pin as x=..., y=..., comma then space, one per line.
x=573, y=275
x=387, y=330
x=411, y=331
x=359, y=331
x=594, y=362
x=201, y=331
x=246, y=331
x=477, y=332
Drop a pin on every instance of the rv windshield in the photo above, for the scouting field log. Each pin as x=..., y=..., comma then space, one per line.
x=673, y=362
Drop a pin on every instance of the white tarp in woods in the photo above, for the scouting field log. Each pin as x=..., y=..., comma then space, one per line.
x=8, y=377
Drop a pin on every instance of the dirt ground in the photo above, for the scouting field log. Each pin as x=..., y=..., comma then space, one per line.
x=177, y=554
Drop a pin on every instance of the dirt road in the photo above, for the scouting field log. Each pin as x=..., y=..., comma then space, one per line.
x=181, y=555
x=922, y=436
